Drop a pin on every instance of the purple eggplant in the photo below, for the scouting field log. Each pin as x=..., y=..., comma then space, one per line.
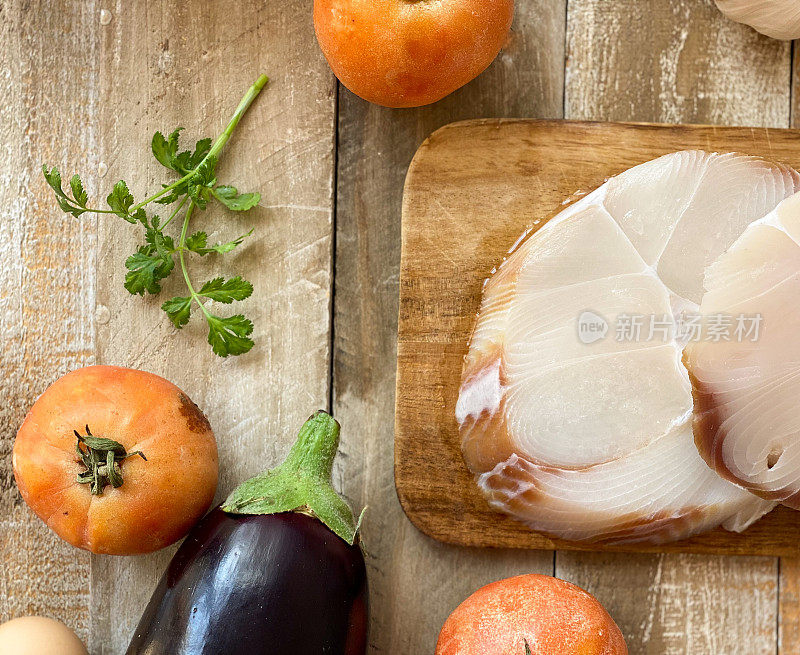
x=275, y=569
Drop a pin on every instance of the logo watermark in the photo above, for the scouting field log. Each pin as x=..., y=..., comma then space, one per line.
x=591, y=327
x=683, y=327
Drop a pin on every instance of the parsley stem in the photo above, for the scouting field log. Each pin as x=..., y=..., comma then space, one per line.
x=94, y=211
x=77, y=205
x=181, y=250
x=175, y=213
x=219, y=144
x=244, y=105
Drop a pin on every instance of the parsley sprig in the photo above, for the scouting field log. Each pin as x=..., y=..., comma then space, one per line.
x=155, y=259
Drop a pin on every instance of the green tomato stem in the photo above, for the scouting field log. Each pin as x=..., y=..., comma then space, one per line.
x=102, y=459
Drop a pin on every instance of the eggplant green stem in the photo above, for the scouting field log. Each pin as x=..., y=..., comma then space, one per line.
x=302, y=483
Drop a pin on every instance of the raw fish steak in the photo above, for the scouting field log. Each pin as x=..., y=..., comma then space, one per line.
x=586, y=435
x=747, y=388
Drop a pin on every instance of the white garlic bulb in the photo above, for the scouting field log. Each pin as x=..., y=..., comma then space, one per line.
x=779, y=19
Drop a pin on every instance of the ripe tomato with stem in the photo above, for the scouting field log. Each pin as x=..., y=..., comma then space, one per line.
x=116, y=460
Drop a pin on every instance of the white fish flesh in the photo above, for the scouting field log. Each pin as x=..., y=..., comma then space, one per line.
x=747, y=385
x=590, y=439
x=779, y=19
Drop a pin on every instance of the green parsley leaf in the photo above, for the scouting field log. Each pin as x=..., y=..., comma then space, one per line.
x=68, y=208
x=163, y=243
x=227, y=246
x=232, y=199
x=178, y=310
x=53, y=177
x=201, y=149
x=67, y=204
x=222, y=248
x=174, y=195
x=198, y=242
x=187, y=161
x=204, y=175
x=146, y=267
x=78, y=192
x=120, y=201
x=199, y=194
x=183, y=161
x=199, y=187
x=165, y=150
x=229, y=336
x=226, y=291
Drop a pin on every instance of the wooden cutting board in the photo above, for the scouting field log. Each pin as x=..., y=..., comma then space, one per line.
x=472, y=189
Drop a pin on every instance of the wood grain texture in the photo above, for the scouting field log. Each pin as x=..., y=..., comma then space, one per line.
x=672, y=61
x=472, y=189
x=683, y=604
x=795, y=86
x=677, y=61
x=789, y=607
x=189, y=65
x=414, y=582
x=789, y=579
x=46, y=277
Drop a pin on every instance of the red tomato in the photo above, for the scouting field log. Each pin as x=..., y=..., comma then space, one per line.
x=407, y=53
x=158, y=499
x=551, y=616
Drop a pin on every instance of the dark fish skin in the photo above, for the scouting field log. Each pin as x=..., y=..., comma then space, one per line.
x=279, y=584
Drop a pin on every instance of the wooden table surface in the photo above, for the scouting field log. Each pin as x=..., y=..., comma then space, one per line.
x=87, y=94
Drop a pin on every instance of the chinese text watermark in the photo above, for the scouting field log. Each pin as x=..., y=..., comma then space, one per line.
x=683, y=327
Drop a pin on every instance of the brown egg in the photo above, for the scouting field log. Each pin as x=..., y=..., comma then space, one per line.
x=37, y=635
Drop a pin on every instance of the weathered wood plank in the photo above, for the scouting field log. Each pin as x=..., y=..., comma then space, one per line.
x=683, y=603
x=789, y=583
x=415, y=582
x=672, y=61
x=46, y=277
x=795, y=94
x=188, y=65
x=789, y=606
x=676, y=61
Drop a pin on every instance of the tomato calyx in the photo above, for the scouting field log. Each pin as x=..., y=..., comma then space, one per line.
x=102, y=459
x=527, y=647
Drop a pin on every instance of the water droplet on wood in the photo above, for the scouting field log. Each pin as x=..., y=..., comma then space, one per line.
x=102, y=314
